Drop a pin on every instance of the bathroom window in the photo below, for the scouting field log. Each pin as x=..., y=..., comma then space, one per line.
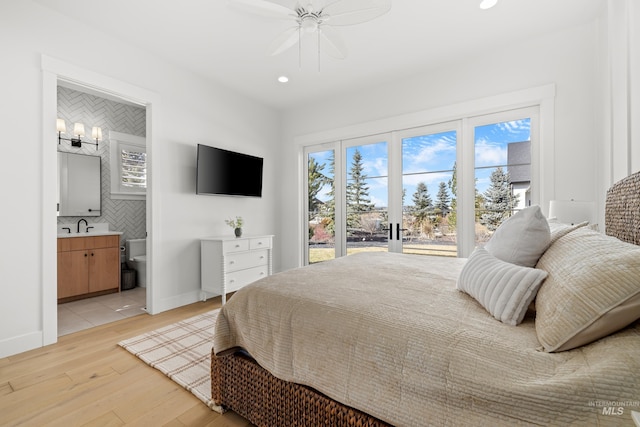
x=129, y=166
x=133, y=166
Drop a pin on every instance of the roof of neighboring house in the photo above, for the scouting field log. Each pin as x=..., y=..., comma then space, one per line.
x=519, y=154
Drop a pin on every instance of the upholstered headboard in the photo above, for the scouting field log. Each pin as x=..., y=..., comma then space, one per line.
x=622, y=210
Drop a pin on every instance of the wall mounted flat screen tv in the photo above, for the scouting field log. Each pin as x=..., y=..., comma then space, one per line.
x=226, y=172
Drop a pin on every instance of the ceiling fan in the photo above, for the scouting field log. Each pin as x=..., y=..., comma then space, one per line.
x=316, y=17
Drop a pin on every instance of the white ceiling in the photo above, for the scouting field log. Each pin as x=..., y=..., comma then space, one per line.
x=228, y=46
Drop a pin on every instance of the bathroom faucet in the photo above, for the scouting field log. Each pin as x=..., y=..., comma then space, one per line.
x=85, y=223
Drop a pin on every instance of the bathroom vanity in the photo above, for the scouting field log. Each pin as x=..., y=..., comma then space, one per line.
x=88, y=265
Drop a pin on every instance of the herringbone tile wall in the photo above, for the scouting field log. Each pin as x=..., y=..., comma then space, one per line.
x=128, y=216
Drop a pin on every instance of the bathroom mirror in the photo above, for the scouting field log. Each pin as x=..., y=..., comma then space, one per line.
x=79, y=185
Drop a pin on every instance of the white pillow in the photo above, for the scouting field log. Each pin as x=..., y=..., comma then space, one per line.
x=504, y=290
x=522, y=238
x=593, y=289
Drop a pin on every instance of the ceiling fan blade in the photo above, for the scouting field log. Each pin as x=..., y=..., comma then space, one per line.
x=263, y=8
x=332, y=43
x=289, y=4
x=284, y=41
x=351, y=12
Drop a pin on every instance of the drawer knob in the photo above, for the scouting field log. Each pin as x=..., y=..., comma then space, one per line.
x=259, y=243
x=232, y=262
x=261, y=256
x=231, y=281
x=237, y=246
x=262, y=273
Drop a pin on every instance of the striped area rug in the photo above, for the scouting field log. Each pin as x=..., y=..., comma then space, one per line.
x=182, y=351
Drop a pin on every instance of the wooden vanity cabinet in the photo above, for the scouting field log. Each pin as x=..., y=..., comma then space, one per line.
x=88, y=266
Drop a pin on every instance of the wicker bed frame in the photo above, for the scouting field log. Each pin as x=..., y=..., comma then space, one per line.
x=240, y=384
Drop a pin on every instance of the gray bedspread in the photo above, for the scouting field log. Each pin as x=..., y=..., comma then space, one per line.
x=390, y=335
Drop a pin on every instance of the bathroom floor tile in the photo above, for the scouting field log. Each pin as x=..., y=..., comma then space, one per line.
x=84, y=314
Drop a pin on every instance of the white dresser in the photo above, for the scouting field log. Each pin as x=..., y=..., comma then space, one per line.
x=229, y=263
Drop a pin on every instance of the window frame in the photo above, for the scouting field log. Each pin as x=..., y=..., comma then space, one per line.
x=542, y=163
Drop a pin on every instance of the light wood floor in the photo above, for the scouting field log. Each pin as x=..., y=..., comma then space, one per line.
x=86, y=379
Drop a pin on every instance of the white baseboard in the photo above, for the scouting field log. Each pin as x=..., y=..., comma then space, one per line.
x=20, y=344
x=176, y=301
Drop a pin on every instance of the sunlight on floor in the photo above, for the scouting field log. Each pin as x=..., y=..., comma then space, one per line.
x=84, y=314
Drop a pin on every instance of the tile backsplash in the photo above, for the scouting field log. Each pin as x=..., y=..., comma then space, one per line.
x=127, y=216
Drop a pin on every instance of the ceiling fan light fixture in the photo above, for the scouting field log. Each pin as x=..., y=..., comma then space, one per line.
x=309, y=24
x=283, y=79
x=487, y=4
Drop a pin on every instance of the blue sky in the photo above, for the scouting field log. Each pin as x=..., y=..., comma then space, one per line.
x=430, y=159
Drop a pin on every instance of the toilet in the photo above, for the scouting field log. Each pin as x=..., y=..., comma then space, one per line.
x=136, y=252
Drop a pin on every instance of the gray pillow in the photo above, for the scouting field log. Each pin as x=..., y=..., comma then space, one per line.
x=504, y=290
x=522, y=238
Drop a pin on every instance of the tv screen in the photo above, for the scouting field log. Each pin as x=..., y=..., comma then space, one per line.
x=227, y=172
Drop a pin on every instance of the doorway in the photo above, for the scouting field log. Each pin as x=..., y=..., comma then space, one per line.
x=54, y=70
x=117, y=210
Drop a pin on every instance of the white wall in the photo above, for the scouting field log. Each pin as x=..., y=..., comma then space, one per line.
x=186, y=110
x=566, y=59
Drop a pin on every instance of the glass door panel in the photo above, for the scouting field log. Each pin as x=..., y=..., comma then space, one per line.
x=429, y=215
x=321, y=209
x=366, y=197
x=502, y=173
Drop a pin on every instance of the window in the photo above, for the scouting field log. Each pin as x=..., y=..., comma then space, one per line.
x=133, y=167
x=129, y=166
x=438, y=189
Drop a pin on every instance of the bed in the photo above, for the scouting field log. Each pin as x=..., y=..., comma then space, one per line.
x=389, y=339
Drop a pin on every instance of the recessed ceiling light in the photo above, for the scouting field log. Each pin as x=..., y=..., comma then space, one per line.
x=488, y=4
x=283, y=79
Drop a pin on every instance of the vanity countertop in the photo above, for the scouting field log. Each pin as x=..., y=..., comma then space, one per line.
x=90, y=234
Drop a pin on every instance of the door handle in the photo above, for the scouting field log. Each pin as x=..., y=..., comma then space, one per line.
x=390, y=230
x=398, y=230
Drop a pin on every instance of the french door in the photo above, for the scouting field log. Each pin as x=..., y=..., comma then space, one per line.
x=433, y=190
x=387, y=192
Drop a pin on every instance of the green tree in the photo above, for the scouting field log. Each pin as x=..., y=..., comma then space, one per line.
x=358, y=201
x=422, y=203
x=453, y=187
x=330, y=204
x=316, y=181
x=499, y=201
x=442, y=200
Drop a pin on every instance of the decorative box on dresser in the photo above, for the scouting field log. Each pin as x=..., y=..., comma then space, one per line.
x=229, y=263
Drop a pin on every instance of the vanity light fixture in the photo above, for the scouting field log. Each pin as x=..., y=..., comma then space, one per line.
x=78, y=130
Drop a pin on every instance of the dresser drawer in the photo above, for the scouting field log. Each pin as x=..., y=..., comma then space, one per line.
x=244, y=260
x=235, y=245
x=260, y=243
x=238, y=279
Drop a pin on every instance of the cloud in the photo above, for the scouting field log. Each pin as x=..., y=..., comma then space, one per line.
x=516, y=127
x=490, y=153
x=427, y=153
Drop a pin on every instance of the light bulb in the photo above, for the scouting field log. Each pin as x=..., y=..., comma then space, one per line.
x=309, y=24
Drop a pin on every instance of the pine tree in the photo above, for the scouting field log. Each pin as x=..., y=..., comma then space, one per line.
x=453, y=187
x=499, y=202
x=358, y=201
x=442, y=200
x=316, y=181
x=422, y=204
x=330, y=205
